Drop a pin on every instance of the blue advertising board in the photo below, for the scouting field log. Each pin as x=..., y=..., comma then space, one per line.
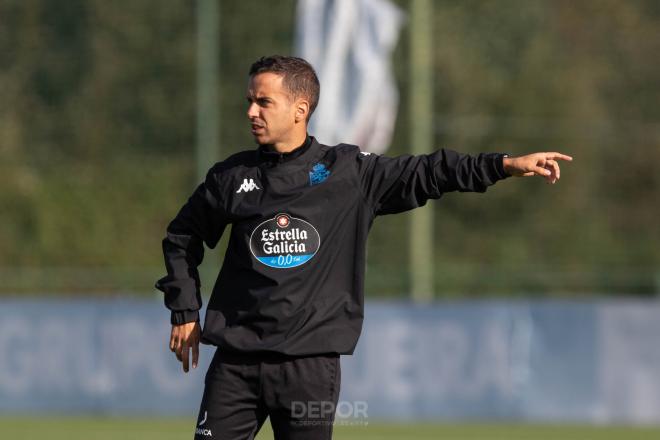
x=535, y=361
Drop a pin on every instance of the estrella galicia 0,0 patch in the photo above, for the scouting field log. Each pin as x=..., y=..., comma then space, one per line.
x=284, y=242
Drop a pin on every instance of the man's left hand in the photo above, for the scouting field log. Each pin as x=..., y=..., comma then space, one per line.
x=536, y=164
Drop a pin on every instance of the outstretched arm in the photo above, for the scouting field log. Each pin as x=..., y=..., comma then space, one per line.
x=397, y=184
x=401, y=183
x=536, y=164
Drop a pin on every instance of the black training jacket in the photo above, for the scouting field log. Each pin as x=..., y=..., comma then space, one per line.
x=293, y=273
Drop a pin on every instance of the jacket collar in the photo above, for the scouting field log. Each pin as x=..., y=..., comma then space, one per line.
x=266, y=153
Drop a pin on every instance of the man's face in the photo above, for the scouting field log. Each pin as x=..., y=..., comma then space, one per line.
x=272, y=112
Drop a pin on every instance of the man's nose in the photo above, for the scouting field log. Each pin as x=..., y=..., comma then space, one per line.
x=252, y=110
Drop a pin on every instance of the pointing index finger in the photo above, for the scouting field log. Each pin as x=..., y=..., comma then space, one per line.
x=556, y=155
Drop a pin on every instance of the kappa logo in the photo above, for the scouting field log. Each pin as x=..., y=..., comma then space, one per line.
x=247, y=186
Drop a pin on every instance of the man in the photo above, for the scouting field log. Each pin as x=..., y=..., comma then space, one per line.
x=289, y=296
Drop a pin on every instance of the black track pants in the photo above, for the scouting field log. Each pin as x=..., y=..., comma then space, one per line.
x=299, y=394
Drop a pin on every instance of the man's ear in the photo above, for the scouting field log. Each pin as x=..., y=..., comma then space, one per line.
x=302, y=110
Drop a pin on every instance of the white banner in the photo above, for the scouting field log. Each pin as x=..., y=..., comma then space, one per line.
x=349, y=43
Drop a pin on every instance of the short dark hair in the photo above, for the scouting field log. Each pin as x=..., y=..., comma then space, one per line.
x=298, y=76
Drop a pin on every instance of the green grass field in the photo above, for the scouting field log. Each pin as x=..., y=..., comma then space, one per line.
x=74, y=428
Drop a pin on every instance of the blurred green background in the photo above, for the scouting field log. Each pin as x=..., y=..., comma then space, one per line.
x=97, y=135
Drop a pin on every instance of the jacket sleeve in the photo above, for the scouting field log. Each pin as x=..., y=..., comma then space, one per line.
x=201, y=220
x=398, y=184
